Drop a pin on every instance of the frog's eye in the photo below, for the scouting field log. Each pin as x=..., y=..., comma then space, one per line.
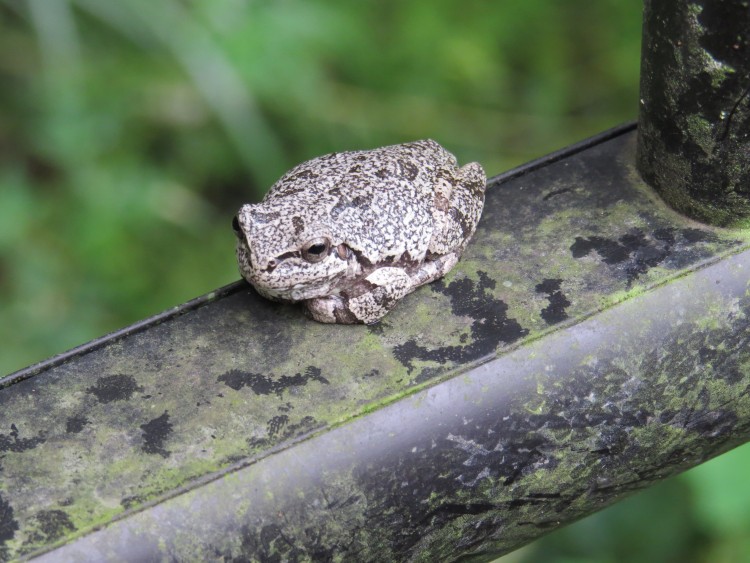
x=236, y=227
x=316, y=249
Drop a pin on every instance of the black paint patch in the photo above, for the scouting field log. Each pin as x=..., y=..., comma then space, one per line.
x=610, y=251
x=75, y=424
x=131, y=501
x=8, y=526
x=12, y=443
x=697, y=235
x=116, y=387
x=490, y=327
x=306, y=423
x=555, y=311
x=49, y=526
x=276, y=424
x=155, y=433
x=279, y=429
x=265, y=385
x=666, y=235
x=635, y=252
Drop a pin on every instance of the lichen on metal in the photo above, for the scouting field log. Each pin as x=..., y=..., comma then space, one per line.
x=694, y=123
x=590, y=342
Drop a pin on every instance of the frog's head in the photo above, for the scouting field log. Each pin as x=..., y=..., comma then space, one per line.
x=288, y=256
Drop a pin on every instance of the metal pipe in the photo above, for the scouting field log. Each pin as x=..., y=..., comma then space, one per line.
x=487, y=461
x=694, y=121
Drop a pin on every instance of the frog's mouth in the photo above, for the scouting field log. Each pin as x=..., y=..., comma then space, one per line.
x=281, y=288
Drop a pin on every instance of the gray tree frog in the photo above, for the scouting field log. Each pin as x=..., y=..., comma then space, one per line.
x=351, y=233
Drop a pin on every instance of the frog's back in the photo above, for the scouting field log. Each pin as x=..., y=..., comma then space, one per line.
x=407, y=166
x=378, y=200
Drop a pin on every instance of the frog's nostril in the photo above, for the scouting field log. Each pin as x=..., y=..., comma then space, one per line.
x=236, y=227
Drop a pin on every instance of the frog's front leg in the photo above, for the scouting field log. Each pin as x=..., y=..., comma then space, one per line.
x=367, y=301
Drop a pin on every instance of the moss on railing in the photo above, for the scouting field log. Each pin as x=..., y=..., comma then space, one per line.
x=590, y=342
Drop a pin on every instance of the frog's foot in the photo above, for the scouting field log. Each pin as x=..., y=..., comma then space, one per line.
x=366, y=302
x=331, y=309
x=434, y=268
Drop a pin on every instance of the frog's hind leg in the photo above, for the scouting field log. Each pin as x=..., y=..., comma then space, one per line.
x=457, y=211
x=458, y=206
x=366, y=302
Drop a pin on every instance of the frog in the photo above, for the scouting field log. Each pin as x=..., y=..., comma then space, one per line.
x=349, y=234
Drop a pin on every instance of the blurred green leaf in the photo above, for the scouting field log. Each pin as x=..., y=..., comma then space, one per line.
x=719, y=489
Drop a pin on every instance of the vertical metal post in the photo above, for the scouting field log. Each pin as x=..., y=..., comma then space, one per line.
x=694, y=121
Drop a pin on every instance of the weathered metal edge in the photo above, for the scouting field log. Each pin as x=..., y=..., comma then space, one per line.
x=565, y=152
x=135, y=328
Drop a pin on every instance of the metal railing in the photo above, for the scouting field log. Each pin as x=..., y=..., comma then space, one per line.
x=591, y=342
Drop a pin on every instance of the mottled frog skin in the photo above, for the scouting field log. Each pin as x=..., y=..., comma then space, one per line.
x=349, y=234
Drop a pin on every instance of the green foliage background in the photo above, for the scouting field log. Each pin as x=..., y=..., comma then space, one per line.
x=131, y=131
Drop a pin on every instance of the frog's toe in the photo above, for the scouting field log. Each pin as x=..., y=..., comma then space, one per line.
x=434, y=268
x=330, y=309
